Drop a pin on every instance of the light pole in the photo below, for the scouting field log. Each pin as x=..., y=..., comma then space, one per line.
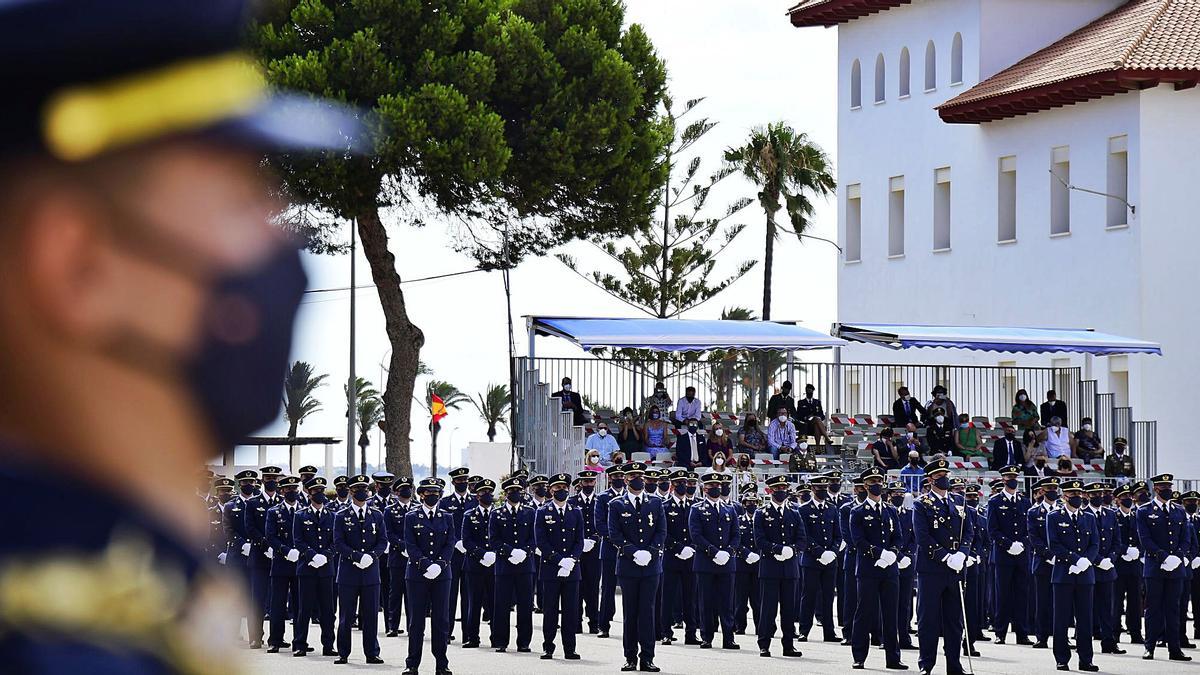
x=450, y=445
x=351, y=390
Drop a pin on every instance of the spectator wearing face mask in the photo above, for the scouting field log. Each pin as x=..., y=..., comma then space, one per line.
x=783, y=399
x=967, y=441
x=781, y=435
x=687, y=409
x=909, y=442
x=1008, y=451
x=1087, y=443
x=719, y=443
x=1052, y=408
x=913, y=473
x=1066, y=468
x=1039, y=465
x=629, y=435
x=752, y=439
x=906, y=409
x=571, y=401
x=803, y=459
x=1058, y=440
x=743, y=469
x=690, y=446
x=810, y=417
x=658, y=399
x=1024, y=412
x=939, y=433
x=655, y=433
x=1119, y=464
x=602, y=442
x=591, y=461
x=941, y=400
x=887, y=456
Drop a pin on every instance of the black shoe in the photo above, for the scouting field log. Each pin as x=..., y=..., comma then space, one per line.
x=471, y=644
x=1090, y=668
x=792, y=652
x=846, y=642
x=602, y=634
x=571, y=656
x=1188, y=645
x=1063, y=666
x=501, y=650
x=667, y=642
x=523, y=650
x=300, y=652
x=1180, y=656
x=831, y=638
x=649, y=667
x=256, y=644
x=374, y=660
x=858, y=666
x=1111, y=648
x=801, y=638
x=691, y=642
x=444, y=671
x=329, y=652
x=592, y=630
x=1040, y=644
x=731, y=645
x=1137, y=640
x=765, y=653
x=342, y=660
x=896, y=666
x=705, y=645
x=1147, y=655
x=876, y=643
x=908, y=647
x=546, y=656
x=629, y=667
x=1024, y=641
x=273, y=649
x=391, y=633
x=409, y=671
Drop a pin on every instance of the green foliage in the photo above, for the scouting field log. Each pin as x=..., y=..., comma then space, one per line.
x=493, y=406
x=298, y=399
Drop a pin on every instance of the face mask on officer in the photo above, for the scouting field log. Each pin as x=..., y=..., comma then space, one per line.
x=270, y=485
x=897, y=500
x=513, y=496
x=726, y=489
x=1074, y=501
x=1165, y=494
x=317, y=497
x=680, y=488
x=384, y=490
x=342, y=492
x=651, y=486
x=637, y=484
x=617, y=483
x=539, y=491
x=1190, y=507
x=779, y=496
x=587, y=489
x=713, y=491
x=1051, y=496
x=875, y=489
x=820, y=493
x=224, y=496
x=290, y=496
x=361, y=494
x=431, y=498
x=460, y=486
x=972, y=501
x=942, y=482
x=691, y=490
x=486, y=498
x=560, y=495
x=1143, y=497
x=1096, y=501
x=1011, y=483
x=404, y=492
x=1126, y=503
x=247, y=489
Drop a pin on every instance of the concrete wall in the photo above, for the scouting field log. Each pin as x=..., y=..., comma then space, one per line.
x=490, y=460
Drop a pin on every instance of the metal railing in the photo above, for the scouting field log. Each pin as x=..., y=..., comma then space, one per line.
x=1087, y=401
x=1103, y=418
x=1143, y=443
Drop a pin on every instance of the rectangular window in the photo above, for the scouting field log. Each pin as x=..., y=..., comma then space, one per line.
x=896, y=217
x=853, y=241
x=1006, y=201
x=941, y=209
x=1060, y=195
x=1118, y=181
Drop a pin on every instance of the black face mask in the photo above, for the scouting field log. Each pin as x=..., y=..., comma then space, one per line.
x=875, y=489
x=587, y=489
x=361, y=495
x=560, y=495
x=540, y=492
x=1143, y=498
x=750, y=424
x=972, y=502
x=779, y=496
x=224, y=496
x=898, y=501
x=290, y=496
x=270, y=485
x=1051, y=497
x=691, y=490
x=680, y=489
x=318, y=498
x=617, y=483
x=513, y=496
x=637, y=484
x=1165, y=494
x=1190, y=508
x=750, y=507
x=1011, y=483
x=820, y=493
x=486, y=498
x=1096, y=502
x=725, y=490
x=460, y=486
x=384, y=490
x=246, y=489
x=651, y=486
x=431, y=499
x=404, y=492
x=714, y=491
x=1075, y=502
x=1126, y=503
x=343, y=492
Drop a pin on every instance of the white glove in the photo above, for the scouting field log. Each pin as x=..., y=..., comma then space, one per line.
x=785, y=554
x=458, y=546
x=956, y=561
x=1017, y=548
x=246, y=549
x=365, y=561
x=970, y=561
x=270, y=554
x=686, y=553
x=1196, y=563
x=564, y=572
x=888, y=555
x=517, y=556
x=488, y=559
x=221, y=558
x=722, y=557
x=904, y=563
x=1131, y=554
x=567, y=563
x=1053, y=559
x=752, y=558
x=588, y=545
x=882, y=563
x=642, y=558
x=827, y=557
x=842, y=546
x=318, y=561
x=293, y=555
x=1073, y=570
x=1171, y=563
x=1105, y=564
x=433, y=571
x=1083, y=564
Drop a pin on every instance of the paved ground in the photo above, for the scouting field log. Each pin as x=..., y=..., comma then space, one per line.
x=605, y=656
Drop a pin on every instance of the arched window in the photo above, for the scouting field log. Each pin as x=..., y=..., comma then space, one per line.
x=904, y=72
x=880, y=79
x=855, y=85
x=956, y=60
x=930, y=66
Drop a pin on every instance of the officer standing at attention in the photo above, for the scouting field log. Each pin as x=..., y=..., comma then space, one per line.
x=240, y=547
x=818, y=561
x=678, y=578
x=1040, y=565
x=713, y=527
x=384, y=483
x=779, y=536
x=942, y=534
x=510, y=529
x=284, y=555
x=1161, y=531
x=1074, y=542
x=1127, y=600
x=429, y=542
x=341, y=490
x=259, y=560
x=875, y=537
x=1105, y=568
x=973, y=576
x=637, y=531
x=746, y=596
x=313, y=535
x=906, y=572
x=397, y=560
x=360, y=538
x=847, y=559
x=1008, y=530
x=218, y=544
x=479, y=579
x=456, y=504
x=608, y=554
x=558, y=534
x=584, y=499
x=1191, y=505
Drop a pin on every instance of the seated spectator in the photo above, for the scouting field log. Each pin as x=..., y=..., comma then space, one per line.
x=1039, y=464
x=619, y=458
x=629, y=436
x=743, y=467
x=752, y=439
x=1119, y=464
x=1087, y=443
x=967, y=441
x=1057, y=439
x=803, y=459
x=783, y=399
x=659, y=399
x=887, y=456
x=591, y=461
x=690, y=446
x=1007, y=451
x=939, y=433
x=810, y=417
x=781, y=435
x=906, y=409
x=911, y=442
x=602, y=443
x=720, y=465
x=1066, y=468
x=1053, y=408
x=687, y=409
x=719, y=443
x=571, y=401
x=941, y=400
x=654, y=434
x=913, y=473
x=1024, y=412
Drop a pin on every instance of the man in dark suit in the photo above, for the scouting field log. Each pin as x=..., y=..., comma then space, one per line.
x=1007, y=451
x=637, y=531
x=429, y=537
x=360, y=538
x=1053, y=407
x=573, y=402
x=906, y=409
x=558, y=533
x=690, y=445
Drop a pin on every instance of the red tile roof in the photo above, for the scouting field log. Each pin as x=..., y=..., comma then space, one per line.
x=1140, y=44
x=832, y=12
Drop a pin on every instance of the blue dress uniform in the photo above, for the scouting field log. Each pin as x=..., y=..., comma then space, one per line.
x=678, y=578
x=1162, y=532
x=608, y=553
x=906, y=570
x=1073, y=538
x=1106, y=568
x=397, y=562
x=312, y=534
x=1039, y=561
x=713, y=526
x=780, y=539
x=558, y=534
x=1008, y=530
x=849, y=587
x=456, y=504
x=478, y=576
x=360, y=538
x=589, y=564
x=637, y=531
x=429, y=542
x=1189, y=499
x=1127, y=600
x=942, y=534
x=510, y=529
x=284, y=555
x=258, y=564
x=240, y=548
x=818, y=563
x=875, y=537
x=746, y=596
x=383, y=498
x=1189, y=556
x=974, y=577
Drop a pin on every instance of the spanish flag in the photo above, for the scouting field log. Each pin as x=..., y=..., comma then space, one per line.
x=437, y=408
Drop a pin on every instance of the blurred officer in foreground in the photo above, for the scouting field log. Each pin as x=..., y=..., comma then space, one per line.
x=1074, y=542
x=146, y=312
x=942, y=533
x=1161, y=530
x=429, y=539
x=558, y=533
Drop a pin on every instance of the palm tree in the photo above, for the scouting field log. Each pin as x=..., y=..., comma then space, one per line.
x=298, y=399
x=366, y=399
x=493, y=406
x=451, y=397
x=789, y=169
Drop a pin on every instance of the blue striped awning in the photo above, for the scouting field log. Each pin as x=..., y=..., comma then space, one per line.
x=679, y=335
x=995, y=338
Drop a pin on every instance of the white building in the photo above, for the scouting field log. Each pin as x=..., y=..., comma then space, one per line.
x=952, y=115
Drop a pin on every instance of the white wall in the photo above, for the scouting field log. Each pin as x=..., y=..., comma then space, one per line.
x=1013, y=29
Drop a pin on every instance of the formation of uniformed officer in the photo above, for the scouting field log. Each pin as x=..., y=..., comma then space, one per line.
x=284, y=555
x=429, y=539
x=558, y=534
x=636, y=533
x=396, y=600
x=818, y=562
x=313, y=536
x=511, y=532
x=713, y=528
x=1163, y=533
x=359, y=539
x=456, y=504
x=678, y=578
x=876, y=538
x=479, y=579
x=1074, y=542
x=1008, y=530
x=942, y=537
x=1045, y=496
x=584, y=499
x=608, y=554
x=746, y=595
x=779, y=540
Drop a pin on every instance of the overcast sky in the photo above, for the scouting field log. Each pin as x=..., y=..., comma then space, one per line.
x=753, y=68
